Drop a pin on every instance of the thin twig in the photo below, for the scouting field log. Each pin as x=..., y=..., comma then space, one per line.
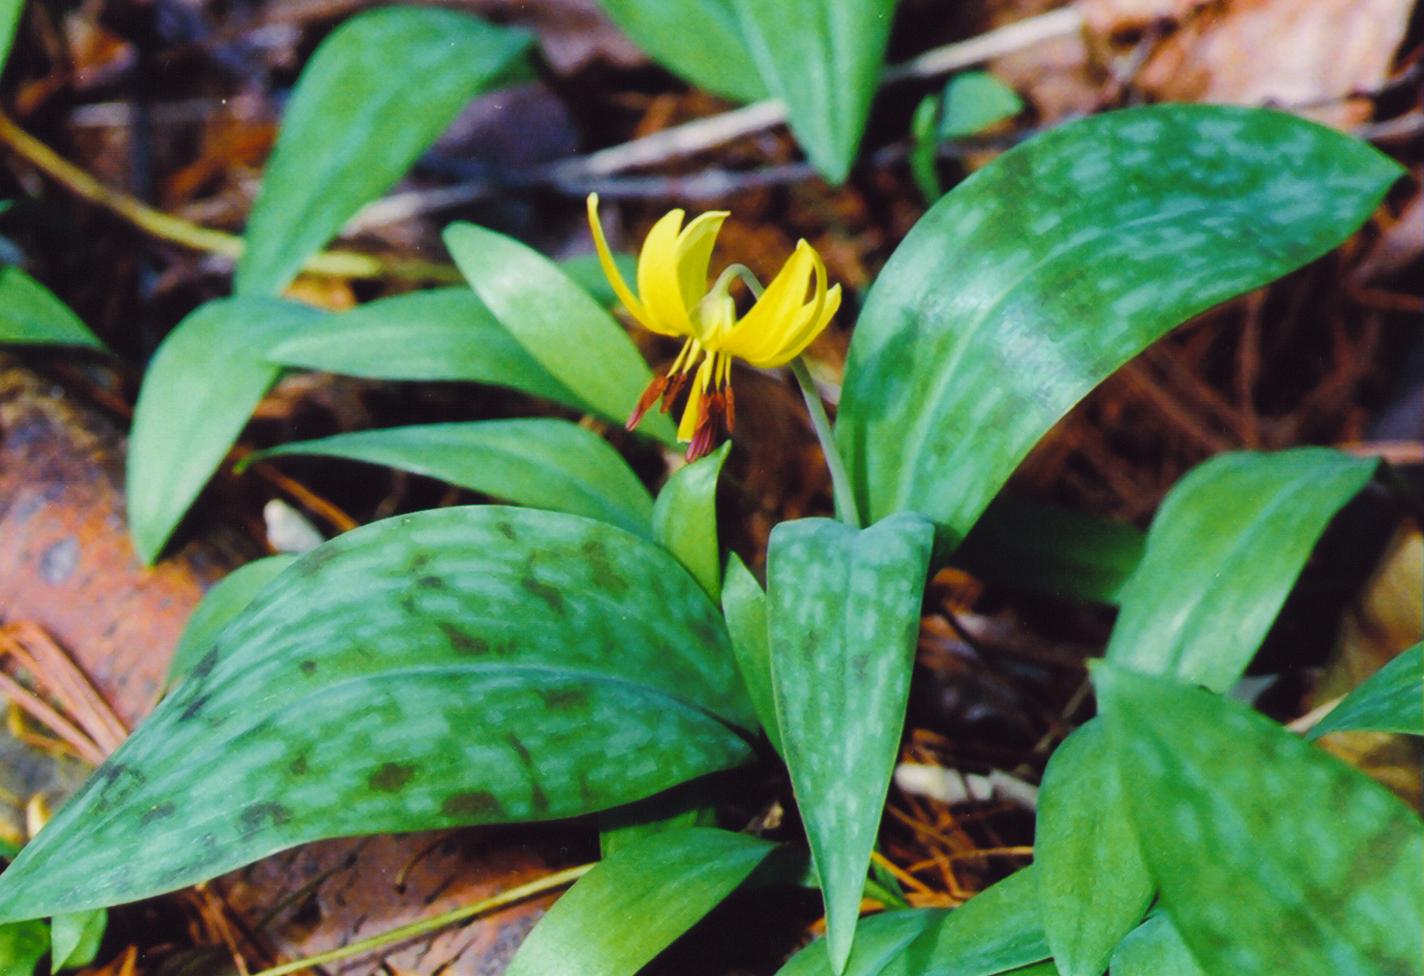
x=176, y=230
x=42, y=711
x=406, y=932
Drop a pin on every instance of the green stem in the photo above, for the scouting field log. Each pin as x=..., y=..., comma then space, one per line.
x=840, y=481
x=537, y=887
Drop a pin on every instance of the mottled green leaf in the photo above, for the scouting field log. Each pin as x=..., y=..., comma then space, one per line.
x=843, y=613
x=1034, y=279
x=1093, y=886
x=458, y=666
x=228, y=597
x=996, y=931
x=442, y=334
x=30, y=314
x=1154, y=949
x=1222, y=555
x=207, y=377
x=744, y=606
x=1044, y=548
x=75, y=938
x=22, y=945
x=973, y=101
x=699, y=40
x=540, y=462
x=637, y=901
x=1390, y=700
x=375, y=94
x=823, y=60
x=879, y=939
x=1271, y=856
x=568, y=333
x=685, y=519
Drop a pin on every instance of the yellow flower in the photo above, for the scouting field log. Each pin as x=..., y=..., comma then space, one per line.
x=673, y=300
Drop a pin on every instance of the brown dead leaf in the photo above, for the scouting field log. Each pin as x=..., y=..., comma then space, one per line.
x=1294, y=53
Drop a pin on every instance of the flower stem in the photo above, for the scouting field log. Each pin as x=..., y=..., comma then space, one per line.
x=840, y=481
x=536, y=887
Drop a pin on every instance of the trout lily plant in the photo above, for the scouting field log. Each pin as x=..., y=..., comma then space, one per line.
x=593, y=649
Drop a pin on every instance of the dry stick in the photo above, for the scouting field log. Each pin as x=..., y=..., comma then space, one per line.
x=701, y=135
x=26, y=700
x=47, y=661
x=404, y=932
x=335, y=264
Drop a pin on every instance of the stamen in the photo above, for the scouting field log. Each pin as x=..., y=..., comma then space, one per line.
x=654, y=390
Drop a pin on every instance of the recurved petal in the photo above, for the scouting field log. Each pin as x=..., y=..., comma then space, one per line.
x=783, y=322
x=658, y=282
x=610, y=268
x=694, y=254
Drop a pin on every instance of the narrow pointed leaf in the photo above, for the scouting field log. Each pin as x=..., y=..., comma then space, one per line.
x=375, y=94
x=1271, y=856
x=568, y=333
x=228, y=598
x=824, y=61
x=684, y=806
x=75, y=938
x=1034, y=279
x=744, y=607
x=1390, y=700
x=442, y=334
x=718, y=59
x=996, y=931
x=843, y=612
x=30, y=314
x=1222, y=555
x=10, y=11
x=1093, y=885
x=539, y=462
x=458, y=666
x=207, y=377
x=1154, y=948
x=685, y=519
x=879, y=939
x=1044, y=548
x=632, y=906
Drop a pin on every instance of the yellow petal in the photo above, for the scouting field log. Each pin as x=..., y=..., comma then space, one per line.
x=694, y=253
x=779, y=319
x=610, y=269
x=658, y=283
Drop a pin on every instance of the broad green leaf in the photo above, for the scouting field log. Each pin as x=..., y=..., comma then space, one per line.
x=685, y=519
x=1222, y=555
x=996, y=931
x=1035, y=278
x=10, y=11
x=973, y=101
x=75, y=938
x=1093, y=886
x=568, y=333
x=632, y=906
x=1154, y=949
x=843, y=612
x=1038, y=546
x=586, y=271
x=375, y=94
x=878, y=940
x=458, y=666
x=700, y=40
x=744, y=607
x=540, y=462
x=30, y=314
x=22, y=945
x=227, y=598
x=207, y=377
x=823, y=60
x=442, y=334
x=1390, y=700
x=683, y=806
x=1271, y=856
